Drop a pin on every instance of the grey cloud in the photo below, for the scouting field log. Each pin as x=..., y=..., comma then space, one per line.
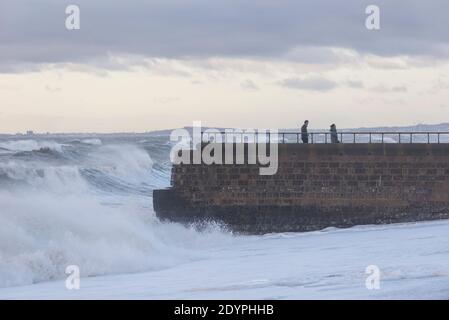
x=249, y=85
x=313, y=84
x=355, y=84
x=387, y=63
x=33, y=32
x=383, y=89
x=439, y=85
x=399, y=89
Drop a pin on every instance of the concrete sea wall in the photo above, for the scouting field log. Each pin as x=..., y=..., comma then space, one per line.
x=316, y=186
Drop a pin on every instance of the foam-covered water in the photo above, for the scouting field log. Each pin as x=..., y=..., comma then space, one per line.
x=86, y=202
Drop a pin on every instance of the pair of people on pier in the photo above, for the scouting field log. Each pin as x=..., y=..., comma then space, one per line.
x=305, y=134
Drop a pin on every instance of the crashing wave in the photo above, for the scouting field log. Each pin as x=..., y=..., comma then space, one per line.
x=31, y=145
x=94, y=141
x=91, y=206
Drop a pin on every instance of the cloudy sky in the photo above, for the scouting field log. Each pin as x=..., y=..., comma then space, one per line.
x=143, y=65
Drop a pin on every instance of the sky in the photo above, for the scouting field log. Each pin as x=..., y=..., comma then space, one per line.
x=139, y=65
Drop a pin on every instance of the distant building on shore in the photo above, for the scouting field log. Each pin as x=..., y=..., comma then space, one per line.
x=30, y=132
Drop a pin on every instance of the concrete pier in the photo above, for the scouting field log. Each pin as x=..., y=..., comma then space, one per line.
x=316, y=186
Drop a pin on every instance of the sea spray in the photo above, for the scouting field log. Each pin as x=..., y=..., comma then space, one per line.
x=90, y=206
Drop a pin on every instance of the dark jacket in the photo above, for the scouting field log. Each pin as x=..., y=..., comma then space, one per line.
x=304, y=135
x=334, y=135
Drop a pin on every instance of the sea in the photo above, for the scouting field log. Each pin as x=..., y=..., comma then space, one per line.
x=85, y=200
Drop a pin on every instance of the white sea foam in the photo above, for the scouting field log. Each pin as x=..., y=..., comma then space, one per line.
x=123, y=161
x=93, y=141
x=55, y=214
x=31, y=145
x=40, y=234
x=91, y=206
x=57, y=179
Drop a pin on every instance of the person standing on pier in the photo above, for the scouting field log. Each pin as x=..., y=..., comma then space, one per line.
x=304, y=134
x=334, y=135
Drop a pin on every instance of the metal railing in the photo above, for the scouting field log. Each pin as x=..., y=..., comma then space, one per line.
x=325, y=137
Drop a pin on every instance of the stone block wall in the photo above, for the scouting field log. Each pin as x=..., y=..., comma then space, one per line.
x=321, y=185
x=325, y=175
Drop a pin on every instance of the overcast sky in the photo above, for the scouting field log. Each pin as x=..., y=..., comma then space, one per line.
x=143, y=65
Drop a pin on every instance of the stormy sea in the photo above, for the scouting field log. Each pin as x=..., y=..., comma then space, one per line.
x=86, y=200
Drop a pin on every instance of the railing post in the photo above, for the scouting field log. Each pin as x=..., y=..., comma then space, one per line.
x=353, y=134
x=438, y=137
x=370, y=137
x=382, y=137
x=311, y=137
x=428, y=137
x=399, y=137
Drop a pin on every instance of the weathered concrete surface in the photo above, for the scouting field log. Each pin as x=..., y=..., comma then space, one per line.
x=316, y=186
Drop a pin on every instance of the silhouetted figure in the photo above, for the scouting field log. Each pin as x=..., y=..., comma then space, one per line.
x=334, y=135
x=304, y=134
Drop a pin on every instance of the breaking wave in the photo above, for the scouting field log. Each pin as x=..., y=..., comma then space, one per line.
x=31, y=145
x=87, y=204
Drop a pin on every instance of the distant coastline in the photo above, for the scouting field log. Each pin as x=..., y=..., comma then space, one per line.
x=444, y=126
